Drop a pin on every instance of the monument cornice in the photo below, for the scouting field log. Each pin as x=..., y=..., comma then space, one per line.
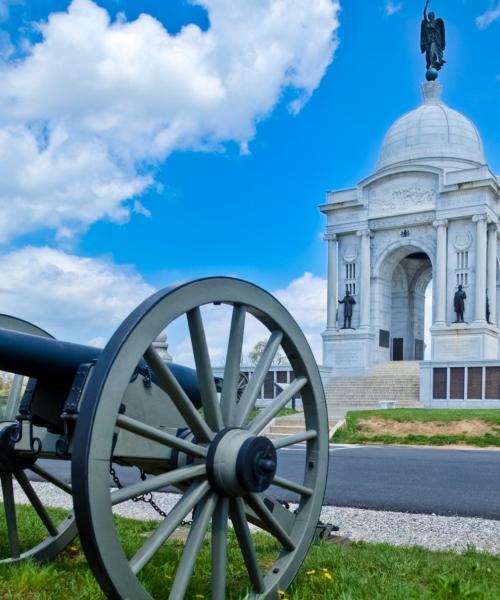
x=405, y=220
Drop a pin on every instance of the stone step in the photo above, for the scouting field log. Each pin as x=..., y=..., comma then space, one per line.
x=397, y=382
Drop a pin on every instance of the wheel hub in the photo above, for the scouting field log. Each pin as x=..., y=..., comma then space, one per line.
x=239, y=463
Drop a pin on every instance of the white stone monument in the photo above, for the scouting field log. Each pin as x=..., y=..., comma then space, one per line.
x=430, y=211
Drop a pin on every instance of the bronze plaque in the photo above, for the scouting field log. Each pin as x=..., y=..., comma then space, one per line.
x=492, y=383
x=457, y=378
x=475, y=383
x=439, y=383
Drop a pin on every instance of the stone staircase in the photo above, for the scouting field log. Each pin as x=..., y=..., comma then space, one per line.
x=394, y=381
x=285, y=426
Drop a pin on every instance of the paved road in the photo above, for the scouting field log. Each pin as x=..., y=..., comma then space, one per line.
x=417, y=480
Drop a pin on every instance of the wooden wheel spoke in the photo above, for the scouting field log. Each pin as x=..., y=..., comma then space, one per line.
x=296, y=438
x=169, y=384
x=219, y=549
x=51, y=478
x=233, y=362
x=162, y=437
x=251, y=393
x=272, y=525
x=193, y=545
x=246, y=544
x=10, y=514
x=191, y=497
x=292, y=486
x=155, y=483
x=208, y=392
x=267, y=415
x=36, y=503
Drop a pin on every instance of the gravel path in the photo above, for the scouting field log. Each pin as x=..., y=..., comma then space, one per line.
x=401, y=529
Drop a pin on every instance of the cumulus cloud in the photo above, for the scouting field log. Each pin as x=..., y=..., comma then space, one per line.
x=83, y=300
x=488, y=17
x=96, y=105
x=74, y=298
x=391, y=8
x=305, y=298
x=5, y=8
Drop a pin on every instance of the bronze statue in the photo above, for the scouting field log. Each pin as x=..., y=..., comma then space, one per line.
x=433, y=43
x=459, y=304
x=348, y=301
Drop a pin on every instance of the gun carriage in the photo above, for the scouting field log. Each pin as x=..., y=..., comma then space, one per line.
x=124, y=406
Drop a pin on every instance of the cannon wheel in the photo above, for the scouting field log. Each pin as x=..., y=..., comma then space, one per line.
x=59, y=536
x=214, y=499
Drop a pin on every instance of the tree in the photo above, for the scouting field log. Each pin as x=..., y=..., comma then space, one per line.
x=256, y=352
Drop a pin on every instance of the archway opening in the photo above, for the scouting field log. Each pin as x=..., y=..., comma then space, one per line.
x=410, y=279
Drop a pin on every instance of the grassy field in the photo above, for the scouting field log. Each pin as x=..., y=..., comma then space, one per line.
x=438, y=427
x=354, y=572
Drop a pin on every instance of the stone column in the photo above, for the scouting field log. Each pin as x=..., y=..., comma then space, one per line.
x=492, y=271
x=440, y=273
x=364, y=322
x=333, y=281
x=480, y=291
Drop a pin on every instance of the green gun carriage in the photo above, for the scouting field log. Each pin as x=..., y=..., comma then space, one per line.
x=124, y=406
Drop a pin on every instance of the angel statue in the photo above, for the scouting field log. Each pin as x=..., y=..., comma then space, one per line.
x=432, y=42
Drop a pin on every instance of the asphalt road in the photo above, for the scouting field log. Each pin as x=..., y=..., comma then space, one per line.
x=417, y=480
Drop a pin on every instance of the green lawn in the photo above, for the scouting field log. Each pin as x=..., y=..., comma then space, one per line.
x=358, y=571
x=479, y=427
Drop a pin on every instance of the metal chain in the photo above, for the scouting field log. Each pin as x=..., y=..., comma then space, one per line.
x=147, y=498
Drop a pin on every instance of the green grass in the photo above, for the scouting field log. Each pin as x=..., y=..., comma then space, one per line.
x=356, y=572
x=351, y=432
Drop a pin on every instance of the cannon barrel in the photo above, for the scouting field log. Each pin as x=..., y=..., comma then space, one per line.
x=55, y=361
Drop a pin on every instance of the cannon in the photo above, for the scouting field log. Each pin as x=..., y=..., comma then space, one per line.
x=124, y=407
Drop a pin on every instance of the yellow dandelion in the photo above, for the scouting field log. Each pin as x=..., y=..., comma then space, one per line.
x=311, y=572
x=327, y=575
x=199, y=596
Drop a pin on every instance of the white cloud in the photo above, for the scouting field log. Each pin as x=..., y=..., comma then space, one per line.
x=391, y=8
x=83, y=300
x=487, y=18
x=76, y=299
x=95, y=106
x=305, y=298
x=5, y=8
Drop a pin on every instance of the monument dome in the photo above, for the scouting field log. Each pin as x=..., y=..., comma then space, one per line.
x=433, y=134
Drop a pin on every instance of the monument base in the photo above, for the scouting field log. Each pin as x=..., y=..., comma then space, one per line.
x=348, y=352
x=464, y=341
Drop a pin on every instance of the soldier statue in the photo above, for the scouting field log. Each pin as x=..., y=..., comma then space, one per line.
x=459, y=304
x=433, y=43
x=348, y=301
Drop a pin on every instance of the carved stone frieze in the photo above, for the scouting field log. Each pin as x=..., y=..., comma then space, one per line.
x=402, y=221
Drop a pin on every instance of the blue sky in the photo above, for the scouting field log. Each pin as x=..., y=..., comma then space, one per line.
x=234, y=196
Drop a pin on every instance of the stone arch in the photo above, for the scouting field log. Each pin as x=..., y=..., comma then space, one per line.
x=421, y=279
x=401, y=273
x=394, y=253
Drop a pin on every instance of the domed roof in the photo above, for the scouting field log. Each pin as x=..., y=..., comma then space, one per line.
x=433, y=134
